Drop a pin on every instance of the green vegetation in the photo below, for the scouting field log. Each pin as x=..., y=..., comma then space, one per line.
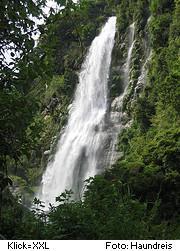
x=139, y=197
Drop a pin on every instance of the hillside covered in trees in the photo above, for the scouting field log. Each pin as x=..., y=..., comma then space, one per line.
x=138, y=196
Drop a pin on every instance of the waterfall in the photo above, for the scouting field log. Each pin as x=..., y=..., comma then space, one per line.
x=80, y=147
x=117, y=116
x=117, y=102
x=130, y=49
x=142, y=79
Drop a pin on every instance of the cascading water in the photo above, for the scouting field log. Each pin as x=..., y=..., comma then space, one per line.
x=128, y=59
x=143, y=76
x=117, y=115
x=142, y=79
x=80, y=148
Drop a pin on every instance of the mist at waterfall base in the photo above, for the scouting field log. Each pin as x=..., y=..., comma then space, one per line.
x=81, y=145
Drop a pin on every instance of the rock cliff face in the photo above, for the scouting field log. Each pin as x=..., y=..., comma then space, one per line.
x=129, y=74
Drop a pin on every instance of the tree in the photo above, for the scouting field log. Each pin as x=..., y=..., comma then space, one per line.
x=16, y=28
x=68, y=11
x=4, y=182
x=15, y=116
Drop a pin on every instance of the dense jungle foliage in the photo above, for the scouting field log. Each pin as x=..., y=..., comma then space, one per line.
x=139, y=196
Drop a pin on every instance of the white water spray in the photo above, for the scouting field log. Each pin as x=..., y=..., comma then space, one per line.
x=81, y=146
